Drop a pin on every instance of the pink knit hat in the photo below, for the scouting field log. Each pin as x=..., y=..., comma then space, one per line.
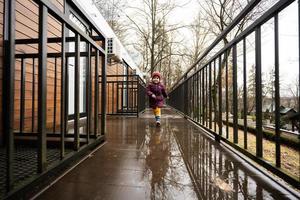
x=156, y=74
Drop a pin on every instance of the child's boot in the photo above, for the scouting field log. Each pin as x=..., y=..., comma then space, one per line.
x=157, y=118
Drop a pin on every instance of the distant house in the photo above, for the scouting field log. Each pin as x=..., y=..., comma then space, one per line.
x=287, y=112
x=295, y=119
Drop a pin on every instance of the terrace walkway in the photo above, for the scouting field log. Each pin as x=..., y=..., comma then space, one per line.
x=176, y=161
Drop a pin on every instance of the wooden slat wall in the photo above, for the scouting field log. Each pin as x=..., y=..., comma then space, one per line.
x=114, y=69
x=27, y=27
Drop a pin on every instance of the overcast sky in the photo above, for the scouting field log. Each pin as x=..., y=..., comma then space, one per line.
x=288, y=30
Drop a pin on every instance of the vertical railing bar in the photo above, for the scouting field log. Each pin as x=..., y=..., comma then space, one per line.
x=112, y=103
x=198, y=105
x=42, y=88
x=277, y=93
x=206, y=95
x=245, y=92
x=191, y=95
x=185, y=96
x=138, y=97
x=203, y=97
x=88, y=93
x=33, y=95
x=96, y=108
x=299, y=65
x=210, y=95
x=127, y=88
x=132, y=93
x=117, y=96
x=122, y=105
x=195, y=97
x=22, y=95
x=226, y=91
x=103, y=99
x=67, y=96
x=107, y=98
x=258, y=90
x=9, y=88
x=77, y=93
x=215, y=95
x=200, y=97
x=190, y=107
x=220, y=96
x=55, y=95
x=191, y=80
x=64, y=68
x=235, y=103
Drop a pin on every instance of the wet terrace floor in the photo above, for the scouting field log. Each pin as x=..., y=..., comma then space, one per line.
x=175, y=161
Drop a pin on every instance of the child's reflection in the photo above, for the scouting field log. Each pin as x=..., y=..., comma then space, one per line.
x=157, y=161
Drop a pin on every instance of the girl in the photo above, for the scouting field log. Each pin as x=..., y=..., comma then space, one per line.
x=156, y=92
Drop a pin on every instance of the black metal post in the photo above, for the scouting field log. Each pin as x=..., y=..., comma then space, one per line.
x=42, y=88
x=203, y=96
x=210, y=94
x=22, y=97
x=258, y=86
x=103, y=95
x=88, y=94
x=206, y=96
x=215, y=96
x=220, y=97
x=277, y=93
x=96, y=103
x=226, y=89
x=9, y=88
x=77, y=93
x=245, y=92
x=235, y=100
x=55, y=94
x=63, y=111
x=33, y=95
x=299, y=64
x=198, y=104
x=185, y=90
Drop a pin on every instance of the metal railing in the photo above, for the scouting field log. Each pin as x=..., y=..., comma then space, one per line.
x=208, y=94
x=126, y=95
x=52, y=136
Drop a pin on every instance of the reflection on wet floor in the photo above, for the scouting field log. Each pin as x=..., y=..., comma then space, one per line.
x=218, y=174
x=175, y=161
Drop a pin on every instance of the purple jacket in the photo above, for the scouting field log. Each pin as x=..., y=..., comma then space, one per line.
x=159, y=91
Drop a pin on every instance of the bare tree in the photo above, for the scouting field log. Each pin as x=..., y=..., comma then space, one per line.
x=251, y=90
x=295, y=92
x=199, y=39
x=219, y=14
x=111, y=10
x=156, y=41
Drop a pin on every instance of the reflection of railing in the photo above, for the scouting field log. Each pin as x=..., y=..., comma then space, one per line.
x=216, y=173
x=211, y=89
x=125, y=95
x=36, y=100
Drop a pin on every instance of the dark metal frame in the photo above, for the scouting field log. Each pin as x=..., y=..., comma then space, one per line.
x=46, y=8
x=129, y=87
x=205, y=86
